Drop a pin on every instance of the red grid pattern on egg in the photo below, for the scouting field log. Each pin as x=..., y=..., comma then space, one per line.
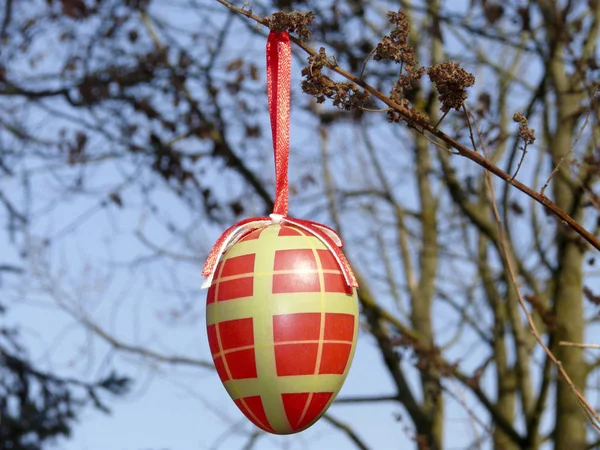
x=231, y=283
x=296, y=271
x=232, y=347
x=238, y=265
x=253, y=409
x=296, y=339
x=302, y=408
x=290, y=231
x=251, y=235
x=297, y=349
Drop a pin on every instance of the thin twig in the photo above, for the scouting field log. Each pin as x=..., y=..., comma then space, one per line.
x=578, y=345
x=554, y=172
x=474, y=420
x=128, y=348
x=440, y=146
x=441, y=118
x=346, y=429
x=374, y=399
x=524, y=149
x=518, y=330
x=67, y=304
x=11, y=268
x=589, y=410
x=6, y=20
x=375, y=110
x=163, y=251
x=253, y=439
x=362, y=71
x=585, y=123
x=150, y=29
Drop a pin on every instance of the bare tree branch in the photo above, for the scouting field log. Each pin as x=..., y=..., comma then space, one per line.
x=346, y=429
x=425, y=127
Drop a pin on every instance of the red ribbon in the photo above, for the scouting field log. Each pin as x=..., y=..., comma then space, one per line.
x=279, y=68
x=279, y=64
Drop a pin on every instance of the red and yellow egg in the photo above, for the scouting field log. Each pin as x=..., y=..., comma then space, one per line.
x=282, y=326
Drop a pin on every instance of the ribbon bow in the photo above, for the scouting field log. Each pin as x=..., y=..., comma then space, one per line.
x=279, y=63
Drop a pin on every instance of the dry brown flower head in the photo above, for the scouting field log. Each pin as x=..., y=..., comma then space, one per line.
x=452, y=82
x=396, y=47
x=345, y=94
x=291, y=22
x=525, y=133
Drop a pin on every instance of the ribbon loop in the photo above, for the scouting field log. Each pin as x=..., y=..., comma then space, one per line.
x=234, y=233
x=279, y=63
x=279, y=69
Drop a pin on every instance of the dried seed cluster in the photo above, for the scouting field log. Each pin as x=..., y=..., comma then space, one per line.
x=449, y=78
x=452, y=82
x=345, y=95
x=396, y=47
x=294, y=21
x=412, y=115
x=525, y=133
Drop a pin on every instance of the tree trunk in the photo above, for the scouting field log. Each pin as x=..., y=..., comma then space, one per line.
x=570, y=420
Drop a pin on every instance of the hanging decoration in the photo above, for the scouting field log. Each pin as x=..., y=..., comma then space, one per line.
x=281, y=310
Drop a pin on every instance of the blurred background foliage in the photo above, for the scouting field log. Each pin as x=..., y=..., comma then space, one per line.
x=132, y=132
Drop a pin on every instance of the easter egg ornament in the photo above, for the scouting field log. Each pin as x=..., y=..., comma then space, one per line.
x=281, y=308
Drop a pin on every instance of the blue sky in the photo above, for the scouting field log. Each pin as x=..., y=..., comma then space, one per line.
x=104, y=270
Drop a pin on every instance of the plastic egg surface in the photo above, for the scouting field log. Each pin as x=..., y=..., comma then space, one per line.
x=282, y=327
